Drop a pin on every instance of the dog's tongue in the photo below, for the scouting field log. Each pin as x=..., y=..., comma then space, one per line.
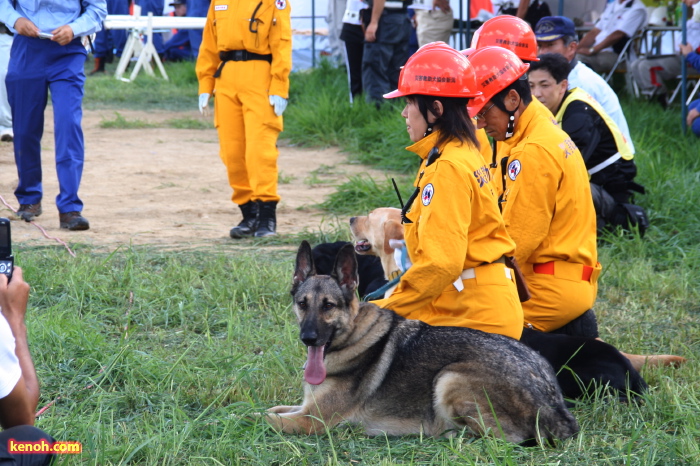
x=315, y=372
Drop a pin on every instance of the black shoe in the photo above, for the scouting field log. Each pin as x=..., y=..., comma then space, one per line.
x=662, y=99
x=267, y=219
x=28, y=212
x=73, y=221
x=249, y=223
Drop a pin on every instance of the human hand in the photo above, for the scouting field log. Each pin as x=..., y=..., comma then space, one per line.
x=585, y=51
x=444, y=5
x=204, y=103
x=371, y=32
x=14, y=297
x=25, y=27
x=279, y=104
x=692, y=115
x=63, y=35
x=685, y=49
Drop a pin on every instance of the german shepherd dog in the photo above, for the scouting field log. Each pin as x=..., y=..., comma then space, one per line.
x=369, y=366
x=580, y=363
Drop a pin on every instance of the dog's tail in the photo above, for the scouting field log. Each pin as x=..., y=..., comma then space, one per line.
x=654, y=360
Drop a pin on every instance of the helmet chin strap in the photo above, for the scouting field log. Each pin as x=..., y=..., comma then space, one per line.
x=428, y=130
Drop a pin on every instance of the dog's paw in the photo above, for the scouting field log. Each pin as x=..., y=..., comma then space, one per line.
x=284, y=410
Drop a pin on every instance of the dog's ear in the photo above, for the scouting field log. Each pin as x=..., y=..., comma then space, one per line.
x=392, y=230
x=345, y=271
x=304, y=267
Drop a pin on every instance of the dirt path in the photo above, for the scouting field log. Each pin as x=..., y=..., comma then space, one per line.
x=167, y=187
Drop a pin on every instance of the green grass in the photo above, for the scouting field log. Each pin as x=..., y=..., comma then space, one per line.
x=119, y=122
x=178, y=93
x=181, y=347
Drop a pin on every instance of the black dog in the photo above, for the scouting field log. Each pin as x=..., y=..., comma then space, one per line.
x=369, y=267
x=582, y=363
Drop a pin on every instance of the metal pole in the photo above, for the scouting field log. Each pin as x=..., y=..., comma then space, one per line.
x=460, y=43
x=561, y=8
x=313, y=33
x=684, y=70
x=469, y=23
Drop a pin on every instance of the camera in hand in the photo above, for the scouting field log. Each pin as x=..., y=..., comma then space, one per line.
x=6, y=259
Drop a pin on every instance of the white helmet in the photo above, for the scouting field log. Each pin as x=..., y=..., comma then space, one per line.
x=658, y=16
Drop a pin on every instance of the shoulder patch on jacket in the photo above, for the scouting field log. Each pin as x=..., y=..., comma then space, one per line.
x=514, y=169
x=281, y=4
x=427, y=194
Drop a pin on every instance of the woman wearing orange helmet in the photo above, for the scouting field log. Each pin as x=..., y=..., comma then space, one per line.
x=454, y=233
x=545, y=196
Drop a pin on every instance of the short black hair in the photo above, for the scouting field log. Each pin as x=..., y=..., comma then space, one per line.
x=521, y=86
x=454, y=123
x=556, y=65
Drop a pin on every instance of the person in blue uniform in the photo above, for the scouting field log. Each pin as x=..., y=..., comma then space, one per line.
x=47, y=53
x=196, y=9
x=110, y=42
x=155, y=7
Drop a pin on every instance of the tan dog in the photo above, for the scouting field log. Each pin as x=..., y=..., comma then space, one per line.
x=374, y=232
x=373, y=235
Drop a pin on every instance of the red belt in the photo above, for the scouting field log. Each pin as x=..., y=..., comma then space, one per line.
x=547, y=268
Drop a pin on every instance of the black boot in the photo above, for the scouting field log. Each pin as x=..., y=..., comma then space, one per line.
x=267, y=220
x=249, y=223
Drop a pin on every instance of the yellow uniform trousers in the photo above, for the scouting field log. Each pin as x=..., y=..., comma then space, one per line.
x=248, y=130
x=558, y=298
x=477, y=305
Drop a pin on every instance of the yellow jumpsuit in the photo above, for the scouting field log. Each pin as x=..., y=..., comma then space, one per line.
x=549, y=213
x=246, y=122
x=456, y=226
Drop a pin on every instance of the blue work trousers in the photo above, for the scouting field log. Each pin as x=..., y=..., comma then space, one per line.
x=155, y=7
x=37, y=65
x=110, y=42
x=196, y=8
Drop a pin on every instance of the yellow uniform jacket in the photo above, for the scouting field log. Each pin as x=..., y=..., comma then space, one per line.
x=455, y=225
x=258, y=26
x=548, y=211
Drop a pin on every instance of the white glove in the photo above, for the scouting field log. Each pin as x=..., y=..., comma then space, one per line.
x=279, y=103
x=203, y=102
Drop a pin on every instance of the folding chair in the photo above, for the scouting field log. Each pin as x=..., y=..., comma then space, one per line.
x=694, y=79
x=632, y=45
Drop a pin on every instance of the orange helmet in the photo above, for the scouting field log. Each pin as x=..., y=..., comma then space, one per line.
x=496, y=68
x=509, y=32
x=439, y=70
